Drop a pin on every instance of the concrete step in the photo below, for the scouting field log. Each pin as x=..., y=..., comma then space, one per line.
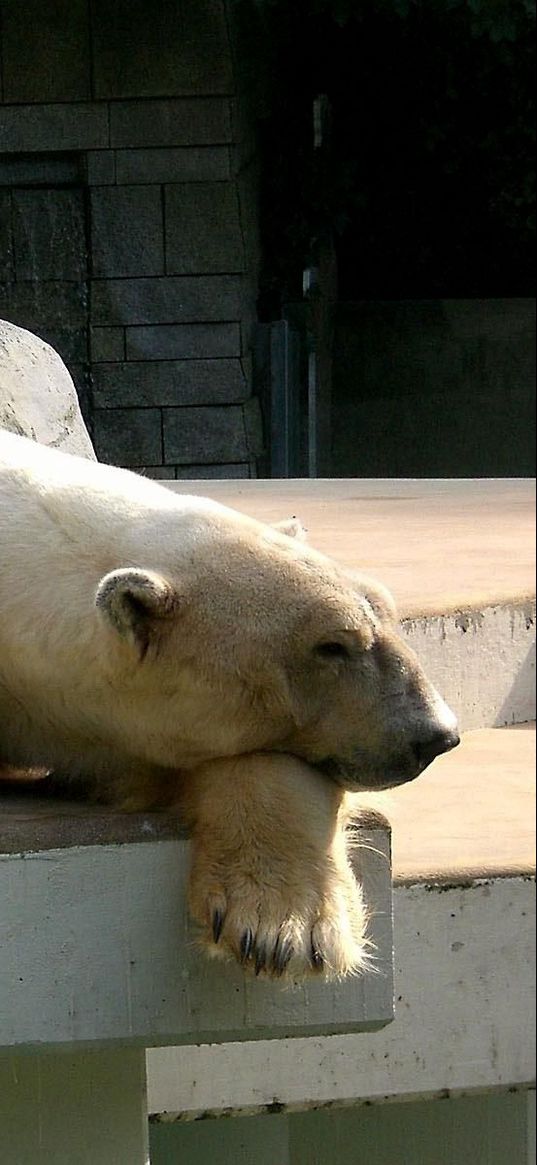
x=459, y=557
x=97, y=947
x=464, y=914
x=471, y=814
x=481, y=659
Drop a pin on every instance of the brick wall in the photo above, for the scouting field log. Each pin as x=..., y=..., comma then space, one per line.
x=127, y=222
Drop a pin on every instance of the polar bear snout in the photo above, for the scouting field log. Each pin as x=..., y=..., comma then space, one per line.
x=398, y=756
x=416, y=747
x=438, y=734
x=426, y=749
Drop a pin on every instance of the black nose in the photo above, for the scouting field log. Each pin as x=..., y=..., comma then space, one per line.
x=426, y=750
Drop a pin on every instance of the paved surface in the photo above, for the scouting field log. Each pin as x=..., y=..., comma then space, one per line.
x=438, y=545
x=471, y=815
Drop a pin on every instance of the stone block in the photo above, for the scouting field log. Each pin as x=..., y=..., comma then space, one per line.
x=70, y=342
x=202, y=225
x=227, y=471
x=81, y=380
x=168, y=300
x=45, y=50
x=146, y=49
x=73, y=126
x=180, y=122
x=183, y=164
x=60, y=320
x=183, y=342
x=49, y=234
x=128, y=436
x=100, y=166
x=204, y=436
x=41, y=170
x=108, y=344
x=126, y=226
x=6, y=237
x=52, y=304
x=170, y=382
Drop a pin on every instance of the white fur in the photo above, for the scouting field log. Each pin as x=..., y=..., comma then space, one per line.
x=210, y=653
x=179, y=653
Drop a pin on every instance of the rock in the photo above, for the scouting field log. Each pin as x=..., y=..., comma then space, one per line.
x=37, y=396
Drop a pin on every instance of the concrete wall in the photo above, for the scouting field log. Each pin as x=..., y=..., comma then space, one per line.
x=127, y=232
x=484, y=1130
x=434, y=388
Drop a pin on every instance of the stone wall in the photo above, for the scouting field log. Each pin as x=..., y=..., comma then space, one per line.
x=127, y=222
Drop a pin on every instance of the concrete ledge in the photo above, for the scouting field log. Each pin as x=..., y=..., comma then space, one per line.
x=31, y=822
x=459, y=557
x=481, y=660
x=440, y=545
x=471, y=815
x=464, y=1020
x=464, y=931
x=97, y=947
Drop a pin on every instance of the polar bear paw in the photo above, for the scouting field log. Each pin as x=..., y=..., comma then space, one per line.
x=279, y=930
x=271, y=884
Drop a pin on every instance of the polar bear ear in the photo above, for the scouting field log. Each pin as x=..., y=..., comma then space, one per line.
x=382, y=601
x=292, y=527
x=377, y=595
x=132, y=601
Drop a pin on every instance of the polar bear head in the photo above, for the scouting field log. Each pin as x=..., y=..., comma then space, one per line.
x=254, y=641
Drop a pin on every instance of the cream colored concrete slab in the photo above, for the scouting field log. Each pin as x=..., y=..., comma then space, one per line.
x=472, y=813
x=440, y=545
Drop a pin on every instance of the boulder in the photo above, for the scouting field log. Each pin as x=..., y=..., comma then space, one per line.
x=37, y=396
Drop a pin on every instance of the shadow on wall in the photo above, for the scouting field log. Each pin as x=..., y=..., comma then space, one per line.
x=522, y=694
x=434, y=388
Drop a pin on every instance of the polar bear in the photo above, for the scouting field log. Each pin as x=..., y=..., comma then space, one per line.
x=173, y=652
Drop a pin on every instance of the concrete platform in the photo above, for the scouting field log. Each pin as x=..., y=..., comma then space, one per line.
x=98, y=949
x=471, y=815
x=459, y=557
x=440, y=545
x=464, y=1021
x=464, y=927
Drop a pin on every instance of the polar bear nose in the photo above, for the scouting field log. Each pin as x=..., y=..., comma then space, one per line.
x=426, y=750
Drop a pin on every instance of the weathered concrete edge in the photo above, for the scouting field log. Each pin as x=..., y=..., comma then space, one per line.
x=279, y=1108
x=481, y=660
x=104, y=952
x=521, y=600
x=64, y=826
x=434, y=880
x=23, y=831
x=456, y=1031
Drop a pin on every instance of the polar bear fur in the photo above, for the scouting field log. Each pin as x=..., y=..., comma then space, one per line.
x=173, y=652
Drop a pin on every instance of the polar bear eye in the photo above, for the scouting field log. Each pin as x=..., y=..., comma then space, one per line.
x=332, y=650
